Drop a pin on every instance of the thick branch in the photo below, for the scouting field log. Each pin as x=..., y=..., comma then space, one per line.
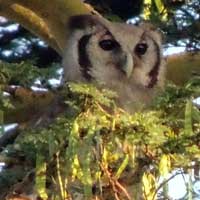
x=30, y=21
x=29, y=104
x=45, y=18
x=182, y=67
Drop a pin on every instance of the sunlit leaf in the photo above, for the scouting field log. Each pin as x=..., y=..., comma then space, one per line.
x=147, y=9
x=188, y=118
x=165, y=165
x=149, y=186
x=40, y=181
x=122, y=166
x=161, y=9
x=61, y=180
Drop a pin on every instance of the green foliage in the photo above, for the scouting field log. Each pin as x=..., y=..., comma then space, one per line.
x=11, y=176
x=24, y=73
x=99, y=144
x=95, y=145
x=175, y=18
x=40, y=180
x=4, y=101
x=154, y=10
x=4, y=104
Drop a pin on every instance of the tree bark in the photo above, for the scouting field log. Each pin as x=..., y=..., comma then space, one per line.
x=46, y=19
x=182, y=67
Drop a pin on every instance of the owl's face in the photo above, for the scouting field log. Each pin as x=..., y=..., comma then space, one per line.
x=125, y=58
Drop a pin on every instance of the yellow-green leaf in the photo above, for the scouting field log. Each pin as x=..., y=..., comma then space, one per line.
x=161, y=9
x=164, y=165
x=188, y=118
x=146, y=9
x=40, y=180
x=149, y=186
x=122, y=166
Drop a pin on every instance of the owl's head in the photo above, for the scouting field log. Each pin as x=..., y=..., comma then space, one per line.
x=123, y=57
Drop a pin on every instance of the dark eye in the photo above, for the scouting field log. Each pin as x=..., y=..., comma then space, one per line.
x=141, y=48
x=108, y=44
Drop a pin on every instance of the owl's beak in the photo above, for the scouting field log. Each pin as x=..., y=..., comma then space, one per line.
x=127, y=67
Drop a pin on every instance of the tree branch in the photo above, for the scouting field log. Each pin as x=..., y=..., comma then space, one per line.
x=182, y=67
x=46, y=19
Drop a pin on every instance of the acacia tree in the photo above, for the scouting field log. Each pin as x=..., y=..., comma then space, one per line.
x=112, y=154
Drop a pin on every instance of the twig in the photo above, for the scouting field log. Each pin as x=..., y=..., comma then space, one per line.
x=163, y=183
x=115, y=185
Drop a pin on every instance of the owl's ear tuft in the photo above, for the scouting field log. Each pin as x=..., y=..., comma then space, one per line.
x=83, y=21
x=154, y=31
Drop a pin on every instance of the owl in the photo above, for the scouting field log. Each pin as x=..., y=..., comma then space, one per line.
x=122, y=57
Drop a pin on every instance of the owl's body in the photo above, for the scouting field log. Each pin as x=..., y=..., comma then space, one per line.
x=122, y=57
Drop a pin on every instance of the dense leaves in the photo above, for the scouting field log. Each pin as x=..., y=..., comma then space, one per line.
x=101, y=146
x=94, y=149
x=25, y=74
